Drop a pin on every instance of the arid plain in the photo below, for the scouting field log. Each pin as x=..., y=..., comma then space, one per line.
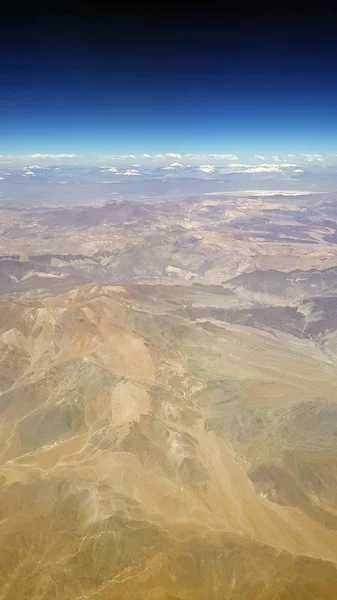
x=168, y=423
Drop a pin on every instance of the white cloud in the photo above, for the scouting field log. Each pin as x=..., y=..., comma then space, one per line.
x=105, y=168
x=260, y=157
x=173, y=166
x=32, y=167
x=146, y=155
x=298, y=171
x=313, y=157
x=130, y=172
x=267, y=166
x=172, y=155
x=277, y=158
x=260, y=169
x=28, y=173
x=239, y=165
x=263, y=168
x=2, y=178
x=291, y=155
x=206, y=168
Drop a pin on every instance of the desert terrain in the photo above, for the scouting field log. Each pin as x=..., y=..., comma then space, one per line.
x=168, y=394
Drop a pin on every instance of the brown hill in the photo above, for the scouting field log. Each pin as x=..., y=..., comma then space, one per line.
x=152, y=452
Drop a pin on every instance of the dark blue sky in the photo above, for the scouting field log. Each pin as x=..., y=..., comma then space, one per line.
x=87, y=82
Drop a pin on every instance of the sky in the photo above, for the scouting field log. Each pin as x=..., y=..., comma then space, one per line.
x=84, y=82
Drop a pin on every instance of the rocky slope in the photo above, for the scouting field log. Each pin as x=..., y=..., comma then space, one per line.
x=163, y=442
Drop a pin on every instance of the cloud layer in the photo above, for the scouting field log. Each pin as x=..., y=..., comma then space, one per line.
x=172, y=164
